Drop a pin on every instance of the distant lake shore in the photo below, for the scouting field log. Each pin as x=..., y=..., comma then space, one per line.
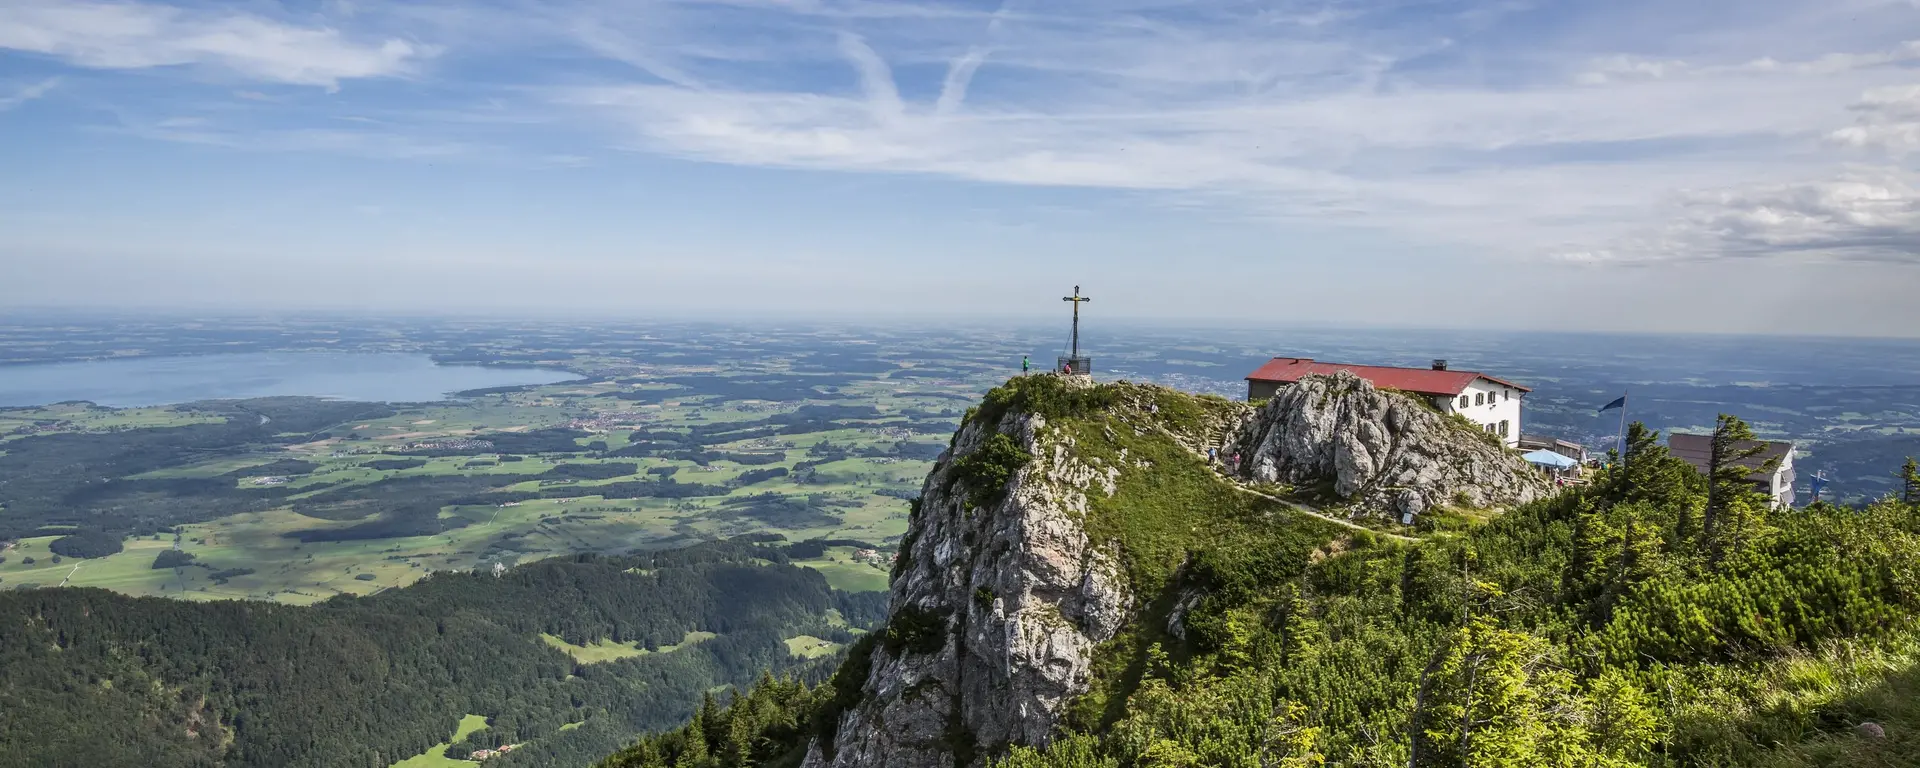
x=146, y=381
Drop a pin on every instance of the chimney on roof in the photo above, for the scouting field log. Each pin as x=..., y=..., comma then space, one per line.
x=1439, y=365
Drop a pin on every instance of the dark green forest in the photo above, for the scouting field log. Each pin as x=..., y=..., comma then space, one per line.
x=93, y=678
x=1656, y=617
x=75, y=479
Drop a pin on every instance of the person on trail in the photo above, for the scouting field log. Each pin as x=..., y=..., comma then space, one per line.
x=1023, y=365
x=1235, y=466
x=1210, y=456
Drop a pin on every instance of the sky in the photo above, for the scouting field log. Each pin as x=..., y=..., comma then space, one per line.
x=1712, y=166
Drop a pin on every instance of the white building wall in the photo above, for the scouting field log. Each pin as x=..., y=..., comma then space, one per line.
x=1783, y=477
x=1489, y=404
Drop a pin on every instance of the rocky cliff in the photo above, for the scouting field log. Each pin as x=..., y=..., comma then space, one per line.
x=998, y=600
x=1063, y=511
x=1381, y=451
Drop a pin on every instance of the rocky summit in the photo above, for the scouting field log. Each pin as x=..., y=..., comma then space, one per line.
x=1380, y=450
x=1064, y=512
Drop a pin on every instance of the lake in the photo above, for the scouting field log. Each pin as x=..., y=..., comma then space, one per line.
x=140, y=381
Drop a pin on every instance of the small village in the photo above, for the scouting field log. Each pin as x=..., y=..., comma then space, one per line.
x=483, y=754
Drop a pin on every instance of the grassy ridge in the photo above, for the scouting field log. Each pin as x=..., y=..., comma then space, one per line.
x=1174, y=524
x=1600, y=628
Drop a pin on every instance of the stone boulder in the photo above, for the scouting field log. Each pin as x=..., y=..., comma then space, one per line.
x=1382, y=452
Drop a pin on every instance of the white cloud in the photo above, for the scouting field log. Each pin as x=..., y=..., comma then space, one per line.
x=27, y=93
x=1362, y=117
x=1870, y=216
x=1906, y=52
x=132, y=35
x=1622, y=68
x=384, y=145
x=1383, y=115
x=1864, y=215
x=1889, y=120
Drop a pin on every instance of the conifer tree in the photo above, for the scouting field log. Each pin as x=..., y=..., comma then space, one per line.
x=710, y=721
x=1728, y=466
x=694, y=753
x=647, y=755
x=741, y=731
x=1910, y=482
x=1486, y=704
x=1649, y=473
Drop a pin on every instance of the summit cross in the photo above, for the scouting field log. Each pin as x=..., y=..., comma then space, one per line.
x=1077, y=300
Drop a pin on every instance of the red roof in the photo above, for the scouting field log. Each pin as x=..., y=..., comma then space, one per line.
x=1426, y=381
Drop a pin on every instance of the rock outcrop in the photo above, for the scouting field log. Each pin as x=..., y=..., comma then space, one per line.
x=1382, y=451
x=1016, y=596
x=1001, y=596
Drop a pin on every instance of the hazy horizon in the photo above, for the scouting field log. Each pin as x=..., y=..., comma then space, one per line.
x=1093, y=325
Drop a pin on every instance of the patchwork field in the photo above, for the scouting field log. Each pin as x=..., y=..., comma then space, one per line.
x=356, y=498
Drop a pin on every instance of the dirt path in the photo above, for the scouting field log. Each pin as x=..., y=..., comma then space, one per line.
x=1293, y=505
x=1315, y=513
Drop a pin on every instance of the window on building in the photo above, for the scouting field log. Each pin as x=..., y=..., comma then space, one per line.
x=1503, y=427
x=1479, y=399
x=1508, y=393
x=1463, y=401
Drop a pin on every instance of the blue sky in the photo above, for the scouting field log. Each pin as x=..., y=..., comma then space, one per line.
x=1632, y=165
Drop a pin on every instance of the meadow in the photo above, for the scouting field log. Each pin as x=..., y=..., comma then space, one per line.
x=437, y=756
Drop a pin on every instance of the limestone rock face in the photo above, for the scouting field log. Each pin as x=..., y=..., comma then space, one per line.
x=1384, y=452
x=1022, y=597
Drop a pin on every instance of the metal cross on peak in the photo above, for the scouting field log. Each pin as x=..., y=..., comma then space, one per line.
x=1075, y=363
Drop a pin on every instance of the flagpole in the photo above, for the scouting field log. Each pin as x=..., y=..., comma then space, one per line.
x=1623, y=424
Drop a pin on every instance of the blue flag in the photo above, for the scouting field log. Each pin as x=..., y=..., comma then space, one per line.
x=1620, y=403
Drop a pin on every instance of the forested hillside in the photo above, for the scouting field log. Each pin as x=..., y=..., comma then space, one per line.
x=93, y=678
x=1653, y=618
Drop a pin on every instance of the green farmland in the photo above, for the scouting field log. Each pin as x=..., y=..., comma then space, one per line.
x=365, y=497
